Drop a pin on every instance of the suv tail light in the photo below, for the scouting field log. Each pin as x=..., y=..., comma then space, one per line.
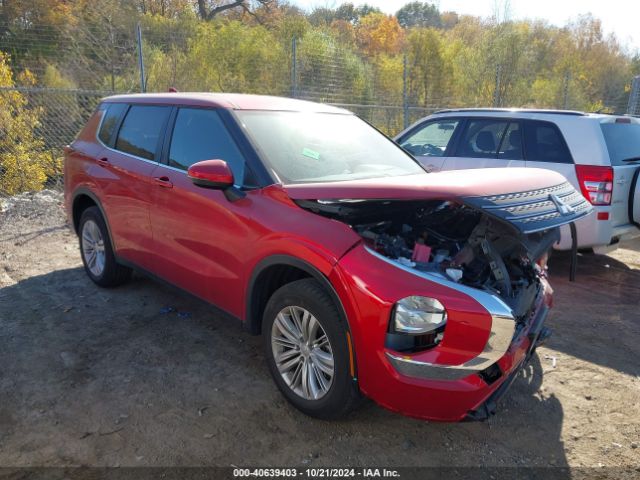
x=596, y=183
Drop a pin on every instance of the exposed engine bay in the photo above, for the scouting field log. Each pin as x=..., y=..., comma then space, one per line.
x=461, y=243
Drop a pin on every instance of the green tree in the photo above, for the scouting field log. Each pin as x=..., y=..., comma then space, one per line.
x=322, y=16
x=419, y=14
x=430, y=70
x=235, y=57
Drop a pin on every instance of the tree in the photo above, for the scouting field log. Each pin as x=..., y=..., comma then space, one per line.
x=348, y=13
x=419, y=14
x=102, y=44
x=164, y=8
x=208, y=9
x=322, y=16
x=24, y=165
x=448, y=20
x=366, y=9
x=430, y=71
x=379, y=33
x=31, y=32
x=231, y=56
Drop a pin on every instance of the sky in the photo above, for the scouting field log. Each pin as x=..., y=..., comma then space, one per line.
x=618, y=16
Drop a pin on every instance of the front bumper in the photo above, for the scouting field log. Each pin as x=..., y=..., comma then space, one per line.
x=482, y=388
x=427, y=385
x=538, y=335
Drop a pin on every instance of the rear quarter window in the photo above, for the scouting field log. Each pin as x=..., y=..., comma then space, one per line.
x=623, y=141
x=544, y=143
x=112, y=114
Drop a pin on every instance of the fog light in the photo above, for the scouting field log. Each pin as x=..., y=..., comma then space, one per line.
x=419, y=315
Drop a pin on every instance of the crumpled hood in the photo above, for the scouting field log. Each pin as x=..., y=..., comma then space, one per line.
x=531, y=199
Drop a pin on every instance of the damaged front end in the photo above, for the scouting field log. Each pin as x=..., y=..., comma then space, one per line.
x=494, y=244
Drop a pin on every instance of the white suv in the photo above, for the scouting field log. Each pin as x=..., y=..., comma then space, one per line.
x=598, y=154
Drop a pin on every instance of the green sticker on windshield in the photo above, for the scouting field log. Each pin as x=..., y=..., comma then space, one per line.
x=307, y=152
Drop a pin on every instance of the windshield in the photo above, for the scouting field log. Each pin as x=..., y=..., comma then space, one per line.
x=623, y=141
x=302, y=147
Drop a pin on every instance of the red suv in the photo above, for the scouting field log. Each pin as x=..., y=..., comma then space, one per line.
x=363, y=273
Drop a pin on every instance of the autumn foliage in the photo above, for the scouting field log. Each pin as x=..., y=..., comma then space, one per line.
x=24, y=165
x=353, y=55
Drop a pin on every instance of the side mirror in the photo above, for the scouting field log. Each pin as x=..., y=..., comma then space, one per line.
x=211, y=174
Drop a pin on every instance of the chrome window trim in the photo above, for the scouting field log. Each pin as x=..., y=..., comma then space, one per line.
x=153, y=162
x=503, y=326
x=176, y=169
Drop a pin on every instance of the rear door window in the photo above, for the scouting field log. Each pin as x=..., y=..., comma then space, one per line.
x=112, y=114
x=511, y=145
x=141, y=129
x=543, y=142
x=623, y=141
x=200, y=134
x=482, y=138
x=430, y=139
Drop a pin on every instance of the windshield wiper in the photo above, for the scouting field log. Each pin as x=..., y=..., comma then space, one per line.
x=632, y=159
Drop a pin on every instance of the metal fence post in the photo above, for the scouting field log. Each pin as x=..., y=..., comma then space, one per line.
x=143, y=87
x=496, y=92
x=634, y=97
x=294, y=67
x=405, y=93
x=565, y=93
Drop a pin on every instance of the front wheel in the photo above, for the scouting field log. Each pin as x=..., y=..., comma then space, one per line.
x=307, y=350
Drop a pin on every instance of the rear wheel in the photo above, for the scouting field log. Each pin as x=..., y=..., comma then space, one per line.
x=307, y=350
x=97, y=252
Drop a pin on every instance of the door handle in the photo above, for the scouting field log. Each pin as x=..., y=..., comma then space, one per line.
x=430, y=168
x=163, y=182
x=104, y=161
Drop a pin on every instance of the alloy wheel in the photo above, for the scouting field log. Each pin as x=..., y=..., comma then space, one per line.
x=302, y=352
x=93, y=247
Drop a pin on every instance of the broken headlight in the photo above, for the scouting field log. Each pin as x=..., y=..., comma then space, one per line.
x=419, y=315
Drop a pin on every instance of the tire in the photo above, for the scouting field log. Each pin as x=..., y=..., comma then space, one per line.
x=93, y=236
x=332, y=399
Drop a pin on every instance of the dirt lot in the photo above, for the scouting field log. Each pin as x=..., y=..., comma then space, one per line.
x=109, y=377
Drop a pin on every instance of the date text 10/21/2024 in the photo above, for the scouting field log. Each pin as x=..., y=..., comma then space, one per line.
x=316, y=472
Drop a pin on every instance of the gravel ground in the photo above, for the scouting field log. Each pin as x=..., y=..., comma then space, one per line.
x=107, y=378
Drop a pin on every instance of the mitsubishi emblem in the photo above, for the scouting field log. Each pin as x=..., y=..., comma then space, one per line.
x=563, y=208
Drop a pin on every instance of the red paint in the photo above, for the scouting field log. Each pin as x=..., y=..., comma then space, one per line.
x=441, y=185
x=199, y=240
x=211, y=172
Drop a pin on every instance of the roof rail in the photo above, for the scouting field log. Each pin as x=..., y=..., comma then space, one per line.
x=513, y=110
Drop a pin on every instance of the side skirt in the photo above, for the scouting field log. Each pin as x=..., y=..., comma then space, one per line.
x=216, y=310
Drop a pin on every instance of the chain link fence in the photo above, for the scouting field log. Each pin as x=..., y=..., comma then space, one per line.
x=388, y=92
x=317, y=70
x=43, y=121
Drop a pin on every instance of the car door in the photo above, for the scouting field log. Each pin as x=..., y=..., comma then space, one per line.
x=131, y=137
x=199, y=236
x=487, y=143
x=429, y=142
x=545, y=147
